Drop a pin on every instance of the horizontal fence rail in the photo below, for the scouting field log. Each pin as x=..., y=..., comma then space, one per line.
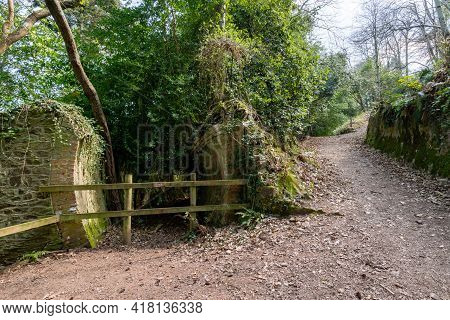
x=145, y=185
x=7, y=231
x=28, y=226
x=150, y=212
x=126, y=214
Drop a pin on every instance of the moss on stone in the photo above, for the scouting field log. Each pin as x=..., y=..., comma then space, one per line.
x=95, y=229
x=48, y=143
x=289, y=182
x=247, y=150
x=419, y=134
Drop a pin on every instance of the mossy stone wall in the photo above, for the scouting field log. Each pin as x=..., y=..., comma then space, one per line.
x=238, y=147
x=417, y=134
x=220, y=160
x=47, y=143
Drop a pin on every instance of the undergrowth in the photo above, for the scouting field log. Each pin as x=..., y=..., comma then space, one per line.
x=189, y=236
x=250, y=218
x=351, y=125
x=34, y=256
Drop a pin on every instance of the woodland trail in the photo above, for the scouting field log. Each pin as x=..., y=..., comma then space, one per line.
x=390, y=240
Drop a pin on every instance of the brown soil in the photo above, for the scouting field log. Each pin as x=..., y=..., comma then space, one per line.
x=386, y=237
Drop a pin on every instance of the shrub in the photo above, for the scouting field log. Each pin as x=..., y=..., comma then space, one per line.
x=250, y=218
x=409, y=83
x=34, y=256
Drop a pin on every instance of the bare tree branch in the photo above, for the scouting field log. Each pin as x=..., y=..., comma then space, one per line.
x=9, y=21
x=28, y=23
x=402, y=30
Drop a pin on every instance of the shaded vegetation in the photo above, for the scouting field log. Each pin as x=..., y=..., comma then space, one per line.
x=414, y=122
x=148, y=62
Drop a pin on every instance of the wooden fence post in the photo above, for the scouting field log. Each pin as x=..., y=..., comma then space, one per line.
x=193, y=223
x=128, y=200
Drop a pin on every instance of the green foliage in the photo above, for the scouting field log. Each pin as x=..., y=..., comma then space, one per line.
x=263, y=57
x=441, y=103
x=341, y=97
x=34, y=256
x=351, y=124
x=189, y=236
x=364, y=85
x=250, y=218
x=289, y=183
x=400, y=91
x=34, y=68
x=409, y=83
x=425, y=75
x=171, y=63
x=7, y=132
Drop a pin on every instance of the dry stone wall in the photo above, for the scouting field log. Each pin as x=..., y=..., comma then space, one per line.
x=47, y=143
x=419, y=134
x=237, y=146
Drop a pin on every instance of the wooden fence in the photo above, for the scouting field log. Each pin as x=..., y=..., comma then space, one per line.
x=129, y=212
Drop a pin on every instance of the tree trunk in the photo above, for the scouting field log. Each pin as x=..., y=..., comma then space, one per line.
x=89, y=90
x=424, y=31
x=377, y=65
x=223, y=15
x=441, y=18
x=407, y=54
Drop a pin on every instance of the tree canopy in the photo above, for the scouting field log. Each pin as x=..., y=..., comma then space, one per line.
x=170, y=62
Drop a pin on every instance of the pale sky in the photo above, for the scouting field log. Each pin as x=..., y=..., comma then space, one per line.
x=340, y=18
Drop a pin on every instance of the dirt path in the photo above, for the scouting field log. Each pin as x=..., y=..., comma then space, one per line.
x=390, y=240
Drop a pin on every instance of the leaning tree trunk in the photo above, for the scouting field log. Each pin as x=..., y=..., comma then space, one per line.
x=89, y=90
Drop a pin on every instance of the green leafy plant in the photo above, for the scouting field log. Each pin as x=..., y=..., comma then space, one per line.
x=189, y=236
x=410, y=83
x=442, y=101
x=401, y=102
x=7, y=134
x=250, y=218
x=34, y=256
